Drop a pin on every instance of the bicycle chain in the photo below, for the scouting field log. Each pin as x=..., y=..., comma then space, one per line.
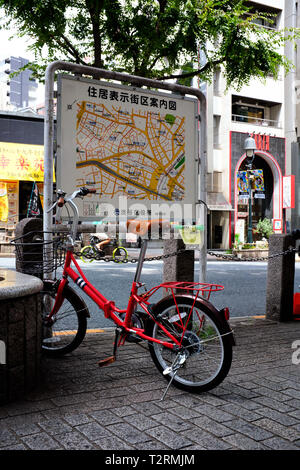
x=182, y=250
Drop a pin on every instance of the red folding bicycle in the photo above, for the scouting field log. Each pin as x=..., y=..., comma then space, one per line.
x=190, y=341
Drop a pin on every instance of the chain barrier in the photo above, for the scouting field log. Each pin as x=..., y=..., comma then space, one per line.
x=132, y=260
x=266, y=258
x=182, y=250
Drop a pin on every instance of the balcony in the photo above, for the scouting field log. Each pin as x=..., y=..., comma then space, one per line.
x=256, y=121
x=257, y=112
x=272, y=19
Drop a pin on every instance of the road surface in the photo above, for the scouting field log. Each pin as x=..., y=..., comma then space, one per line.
x=244, y=282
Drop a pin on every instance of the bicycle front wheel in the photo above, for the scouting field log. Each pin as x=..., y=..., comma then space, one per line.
x=65, y=331
x=120, y=254
x=87, y=254
x=206, y=346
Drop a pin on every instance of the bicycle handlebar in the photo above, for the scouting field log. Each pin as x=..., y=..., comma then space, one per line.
x=63, y=198
x=60, y=201
x=84, y=191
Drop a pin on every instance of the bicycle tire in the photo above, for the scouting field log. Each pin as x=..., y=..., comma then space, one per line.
x=61, y=341
x=87, y=250
x=120, y=254
x=195, y=375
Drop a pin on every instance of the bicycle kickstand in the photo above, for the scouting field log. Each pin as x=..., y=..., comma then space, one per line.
x=178, y=362
x=111, y=359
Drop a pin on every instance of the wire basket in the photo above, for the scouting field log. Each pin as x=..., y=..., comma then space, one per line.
x=35, y=255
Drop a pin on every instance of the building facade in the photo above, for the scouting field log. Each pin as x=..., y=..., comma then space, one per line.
x=18, y=91
x=266, y=112
x=21, y=168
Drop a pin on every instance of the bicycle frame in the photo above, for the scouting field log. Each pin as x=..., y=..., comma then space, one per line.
x=108, y=306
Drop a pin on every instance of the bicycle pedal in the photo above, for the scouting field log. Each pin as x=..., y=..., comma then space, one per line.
x=107, y=361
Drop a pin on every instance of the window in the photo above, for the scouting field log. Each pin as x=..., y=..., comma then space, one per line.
x=217, y=120
x=244, y=113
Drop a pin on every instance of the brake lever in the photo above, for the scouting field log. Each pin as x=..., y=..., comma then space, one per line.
x=52, y=207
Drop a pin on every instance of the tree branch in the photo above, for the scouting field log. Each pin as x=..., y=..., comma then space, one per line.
x=68, y=46
x=195, y=72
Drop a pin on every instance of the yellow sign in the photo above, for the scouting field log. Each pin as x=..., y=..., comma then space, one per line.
x=22, y=162
x=3, y=202
x=191, y=235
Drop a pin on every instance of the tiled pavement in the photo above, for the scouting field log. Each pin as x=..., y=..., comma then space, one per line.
x=79, y=406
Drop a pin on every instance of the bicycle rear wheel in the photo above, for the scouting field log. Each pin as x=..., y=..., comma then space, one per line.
x=65, y=330
x=206, y=345
x=87, y=254
x=120, y=254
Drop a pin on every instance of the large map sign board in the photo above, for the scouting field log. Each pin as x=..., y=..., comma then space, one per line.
x=139, y=148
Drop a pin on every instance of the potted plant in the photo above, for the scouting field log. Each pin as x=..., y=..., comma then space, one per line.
x=264, y=229
x=258, y=249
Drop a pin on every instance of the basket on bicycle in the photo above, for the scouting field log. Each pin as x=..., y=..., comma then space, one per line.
x=37, y=256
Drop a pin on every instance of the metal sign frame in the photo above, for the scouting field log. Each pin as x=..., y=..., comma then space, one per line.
x=73, y=91
x=97, y=73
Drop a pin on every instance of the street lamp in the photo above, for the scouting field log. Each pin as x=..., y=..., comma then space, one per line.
x=250, y=148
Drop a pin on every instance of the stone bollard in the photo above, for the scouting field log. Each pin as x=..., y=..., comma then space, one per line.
x=280, y=279
x=20, y=334
x=30, y=254
x=180, y=267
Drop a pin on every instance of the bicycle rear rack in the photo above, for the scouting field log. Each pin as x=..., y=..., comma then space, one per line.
x=175, y=287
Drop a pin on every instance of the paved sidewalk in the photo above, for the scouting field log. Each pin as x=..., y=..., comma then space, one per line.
x=80, y=406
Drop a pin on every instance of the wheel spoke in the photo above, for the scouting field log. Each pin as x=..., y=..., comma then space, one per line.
x=202, y=340
x=69, y=323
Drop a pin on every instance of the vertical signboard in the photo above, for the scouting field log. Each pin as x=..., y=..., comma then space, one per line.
x=137, y=147
x=289, y=192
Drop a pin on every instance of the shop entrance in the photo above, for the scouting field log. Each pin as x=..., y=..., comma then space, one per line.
x=262, y=207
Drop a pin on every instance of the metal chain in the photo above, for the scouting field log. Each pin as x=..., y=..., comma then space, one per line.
x=132, y=260
x=182, y=250
x=236, y=258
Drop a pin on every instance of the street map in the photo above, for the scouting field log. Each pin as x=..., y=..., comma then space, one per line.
x=130, y=151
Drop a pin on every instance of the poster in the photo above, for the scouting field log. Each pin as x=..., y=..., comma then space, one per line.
x=13, y=202
x=33, y=206
x=258, y=184
x=3, y=202
x=243, y=184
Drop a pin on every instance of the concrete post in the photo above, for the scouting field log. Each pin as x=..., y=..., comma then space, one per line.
x=29, y=255
x=280, y=279
x=181, y=267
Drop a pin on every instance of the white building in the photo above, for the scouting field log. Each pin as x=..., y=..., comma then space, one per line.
x=266, y=111
x=18, y=91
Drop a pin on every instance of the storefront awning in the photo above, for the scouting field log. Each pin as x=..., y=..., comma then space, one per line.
x=217, y=202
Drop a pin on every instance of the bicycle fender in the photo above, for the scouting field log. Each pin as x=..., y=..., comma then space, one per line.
x=54, y=285
x=207, y=307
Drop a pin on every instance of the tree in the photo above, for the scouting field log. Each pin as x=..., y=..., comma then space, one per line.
x=152, y=38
